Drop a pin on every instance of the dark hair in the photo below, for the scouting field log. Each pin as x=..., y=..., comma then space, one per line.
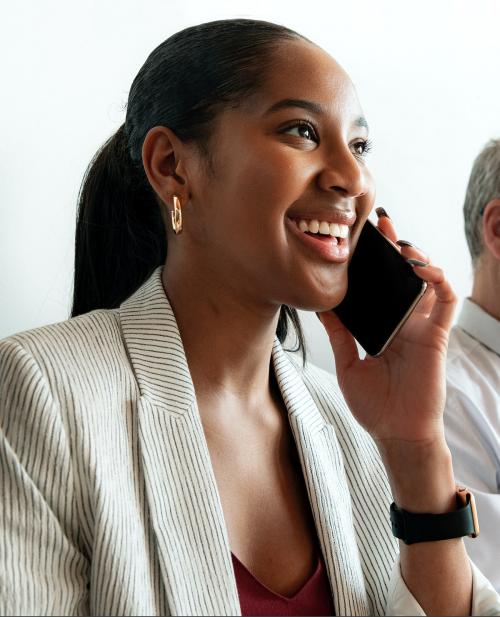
x=120, y=233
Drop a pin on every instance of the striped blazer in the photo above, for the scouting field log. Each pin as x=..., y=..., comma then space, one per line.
x=109, y=500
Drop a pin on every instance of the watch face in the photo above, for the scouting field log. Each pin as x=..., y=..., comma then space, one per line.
x=465, y=497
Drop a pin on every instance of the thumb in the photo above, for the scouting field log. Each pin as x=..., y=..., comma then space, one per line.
x=342, y=341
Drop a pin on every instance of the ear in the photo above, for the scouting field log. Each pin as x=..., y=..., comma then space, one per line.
x=162, y=157
x=491, y=227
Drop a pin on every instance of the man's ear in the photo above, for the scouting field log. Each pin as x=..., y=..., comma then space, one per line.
x=162, y=157
x=491, y=227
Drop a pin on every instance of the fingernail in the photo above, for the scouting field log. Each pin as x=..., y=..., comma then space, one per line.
x=417, y=262
x=381, y=212
x=406, y=243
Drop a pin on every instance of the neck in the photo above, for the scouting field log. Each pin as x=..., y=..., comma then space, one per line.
x=227, y=337
x=485, y=291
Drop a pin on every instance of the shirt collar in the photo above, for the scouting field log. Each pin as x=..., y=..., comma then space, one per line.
x=480, y=325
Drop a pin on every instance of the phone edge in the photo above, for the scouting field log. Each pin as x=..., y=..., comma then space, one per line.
x=402, y=322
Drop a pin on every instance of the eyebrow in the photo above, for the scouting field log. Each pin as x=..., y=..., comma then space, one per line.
x=311, y=106
x=315, y=108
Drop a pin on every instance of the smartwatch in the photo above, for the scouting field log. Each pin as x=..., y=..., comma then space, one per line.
x=414, y=527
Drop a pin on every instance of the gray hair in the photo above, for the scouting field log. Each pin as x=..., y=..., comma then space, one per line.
x=484, y=185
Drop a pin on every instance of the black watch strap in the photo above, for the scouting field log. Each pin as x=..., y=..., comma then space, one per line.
x=418, y=527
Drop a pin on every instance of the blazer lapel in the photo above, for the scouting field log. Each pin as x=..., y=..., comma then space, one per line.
x=186, y=514
x=322, y=465
x=184, y=503
x=185, y=508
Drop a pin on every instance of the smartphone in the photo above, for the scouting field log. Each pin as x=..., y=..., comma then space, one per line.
x=382, y=291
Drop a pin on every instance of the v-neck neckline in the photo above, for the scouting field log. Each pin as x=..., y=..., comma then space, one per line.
x=275, y=593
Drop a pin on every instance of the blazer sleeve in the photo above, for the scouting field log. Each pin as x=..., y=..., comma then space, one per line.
x=400, y=600
x=42, y=570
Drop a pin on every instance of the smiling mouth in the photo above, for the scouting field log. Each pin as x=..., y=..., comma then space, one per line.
x=328, y=241
x=323, y=230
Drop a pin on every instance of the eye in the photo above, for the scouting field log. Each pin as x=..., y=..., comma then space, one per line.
x=304, y=129
x=362, y=147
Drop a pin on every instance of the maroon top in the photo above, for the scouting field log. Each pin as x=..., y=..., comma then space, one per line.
x=313, y=598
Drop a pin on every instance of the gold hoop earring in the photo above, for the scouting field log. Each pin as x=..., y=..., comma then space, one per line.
x=177, y=215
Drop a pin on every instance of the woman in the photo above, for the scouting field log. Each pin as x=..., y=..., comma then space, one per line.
x=161, y=452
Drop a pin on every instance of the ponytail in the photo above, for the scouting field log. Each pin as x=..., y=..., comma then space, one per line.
x=184, y=84
x=120, y=233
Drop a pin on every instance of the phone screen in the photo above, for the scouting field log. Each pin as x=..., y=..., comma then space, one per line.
x=382, y=291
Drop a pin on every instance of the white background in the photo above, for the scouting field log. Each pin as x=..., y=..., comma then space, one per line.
x=427, y=74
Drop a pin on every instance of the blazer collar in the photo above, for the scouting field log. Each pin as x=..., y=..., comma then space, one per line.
x=185, y=508
x=155, y=347
x=156, y=352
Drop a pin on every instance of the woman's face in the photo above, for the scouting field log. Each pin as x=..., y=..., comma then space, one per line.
x=275, y=167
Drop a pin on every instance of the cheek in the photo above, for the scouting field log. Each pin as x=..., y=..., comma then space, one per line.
x=265, y=185
x=252, y=242
x=265, y=190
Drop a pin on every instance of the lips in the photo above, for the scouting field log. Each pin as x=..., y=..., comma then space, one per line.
x=326, y=247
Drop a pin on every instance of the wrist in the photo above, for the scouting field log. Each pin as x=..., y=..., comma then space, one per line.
x=420, y=475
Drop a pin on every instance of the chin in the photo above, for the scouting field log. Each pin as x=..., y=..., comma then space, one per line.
x=313, y=288
x=318, y=300
x=326, y=298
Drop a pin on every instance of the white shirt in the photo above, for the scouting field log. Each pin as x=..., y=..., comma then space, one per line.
x=472, y=424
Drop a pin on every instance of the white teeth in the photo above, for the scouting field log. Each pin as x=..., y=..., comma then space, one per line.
x=323, y=227
x=335, y=230
x=314, y=226
x=344, y=231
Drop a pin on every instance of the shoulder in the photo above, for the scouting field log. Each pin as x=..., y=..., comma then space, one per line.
x=461, y=347
x=463, y=361
x=84, y=331
x=87, y=344
x=471, y=369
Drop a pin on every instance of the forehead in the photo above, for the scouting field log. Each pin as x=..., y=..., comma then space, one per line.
x=301, y=70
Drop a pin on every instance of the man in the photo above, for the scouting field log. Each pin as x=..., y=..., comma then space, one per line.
x=472, y=416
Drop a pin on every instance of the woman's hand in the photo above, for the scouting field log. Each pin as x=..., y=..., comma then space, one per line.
x=400, y=395
x=399, y=398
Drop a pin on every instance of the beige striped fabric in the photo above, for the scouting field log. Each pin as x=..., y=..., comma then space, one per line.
x=109, y=501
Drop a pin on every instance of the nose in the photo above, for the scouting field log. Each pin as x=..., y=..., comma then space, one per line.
x=344, y=174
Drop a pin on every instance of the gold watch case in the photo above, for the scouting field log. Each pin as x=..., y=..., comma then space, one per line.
x=464, y=498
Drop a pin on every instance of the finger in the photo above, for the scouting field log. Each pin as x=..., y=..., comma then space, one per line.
x=445, y=299
x=426, y=302
x=409, y=250
x=386, y=225
x=342, y=342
